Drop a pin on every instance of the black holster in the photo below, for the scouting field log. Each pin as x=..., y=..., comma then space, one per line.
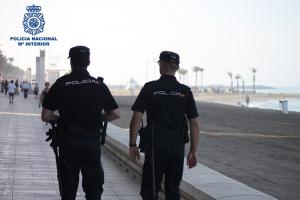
x=145, y=136
x=185, y=131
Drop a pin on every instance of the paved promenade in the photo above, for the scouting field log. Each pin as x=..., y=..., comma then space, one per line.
x=27, y=163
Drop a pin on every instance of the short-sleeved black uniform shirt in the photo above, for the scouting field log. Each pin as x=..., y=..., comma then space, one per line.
x=79, y=99
x=166, y=102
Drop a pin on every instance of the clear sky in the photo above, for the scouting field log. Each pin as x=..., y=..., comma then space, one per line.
x=126, y=37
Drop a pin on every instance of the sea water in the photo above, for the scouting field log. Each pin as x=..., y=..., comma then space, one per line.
x=293, y=104
x=286, y=90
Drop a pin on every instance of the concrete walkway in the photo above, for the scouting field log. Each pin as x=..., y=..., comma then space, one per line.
x=27, y=163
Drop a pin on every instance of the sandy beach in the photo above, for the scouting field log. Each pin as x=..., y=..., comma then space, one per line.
x=228, y=99
x=260, y=148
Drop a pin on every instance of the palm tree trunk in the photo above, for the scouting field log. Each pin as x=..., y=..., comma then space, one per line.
x=201, y=80
x=254, y=83
x=196, y=79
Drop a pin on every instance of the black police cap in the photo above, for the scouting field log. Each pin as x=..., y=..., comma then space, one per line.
x=169, y=56
x=79, y=51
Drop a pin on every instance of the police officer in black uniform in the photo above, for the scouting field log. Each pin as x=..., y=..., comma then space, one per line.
x=167, y=104
x=80, y=100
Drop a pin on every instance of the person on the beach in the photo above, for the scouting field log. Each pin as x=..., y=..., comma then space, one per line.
x=247, y=100
x=11, y=91
x=167, y=104
x=44, y=93
x=80, y=99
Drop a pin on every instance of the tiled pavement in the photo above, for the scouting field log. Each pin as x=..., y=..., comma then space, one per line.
x=27, y=163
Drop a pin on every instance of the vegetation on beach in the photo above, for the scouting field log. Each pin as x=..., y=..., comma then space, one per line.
x=7, y=69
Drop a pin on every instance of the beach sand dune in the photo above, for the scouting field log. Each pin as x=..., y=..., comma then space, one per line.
x=260, y=148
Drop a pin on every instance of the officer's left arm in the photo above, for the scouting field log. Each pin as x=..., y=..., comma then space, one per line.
x=111, y=115
x=134, y=126
x=138, y=109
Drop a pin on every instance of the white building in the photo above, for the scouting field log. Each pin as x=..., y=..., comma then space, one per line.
x=52, y=75
x=27, y=75
x=40, y=69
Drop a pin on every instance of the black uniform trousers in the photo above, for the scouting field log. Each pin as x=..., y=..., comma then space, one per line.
x=80, y=153
x=168, y=162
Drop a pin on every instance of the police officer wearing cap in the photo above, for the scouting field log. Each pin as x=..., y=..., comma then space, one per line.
x=80, y=100
x=168, y=105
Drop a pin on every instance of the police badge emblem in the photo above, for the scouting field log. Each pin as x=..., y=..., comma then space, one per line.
x=33, y=20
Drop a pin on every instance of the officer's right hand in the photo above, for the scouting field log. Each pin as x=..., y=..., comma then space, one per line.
x=134, y=153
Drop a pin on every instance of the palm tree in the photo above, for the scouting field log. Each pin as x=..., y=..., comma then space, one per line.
x=11, y=60
x=201, y=70
x=196, y=70
x=237, y=77
x=243, y=86
x=184, y=72
x=254, y=70
x=181, y=73
x=231, y=82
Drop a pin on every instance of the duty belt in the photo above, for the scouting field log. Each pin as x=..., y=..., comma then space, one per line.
x=76, y=131
x=167, y=132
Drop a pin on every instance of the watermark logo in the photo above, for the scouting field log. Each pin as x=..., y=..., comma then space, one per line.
x=33, y=23
x=33, y=20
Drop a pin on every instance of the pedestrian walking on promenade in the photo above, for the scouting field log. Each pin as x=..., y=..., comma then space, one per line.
x=25, y=87
x=2, y=86
x=5, y=87
x=36, y=91
x=44, y=93
x=168, y=105
x=80, y=100
x=17, y=86
x=11, y=91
